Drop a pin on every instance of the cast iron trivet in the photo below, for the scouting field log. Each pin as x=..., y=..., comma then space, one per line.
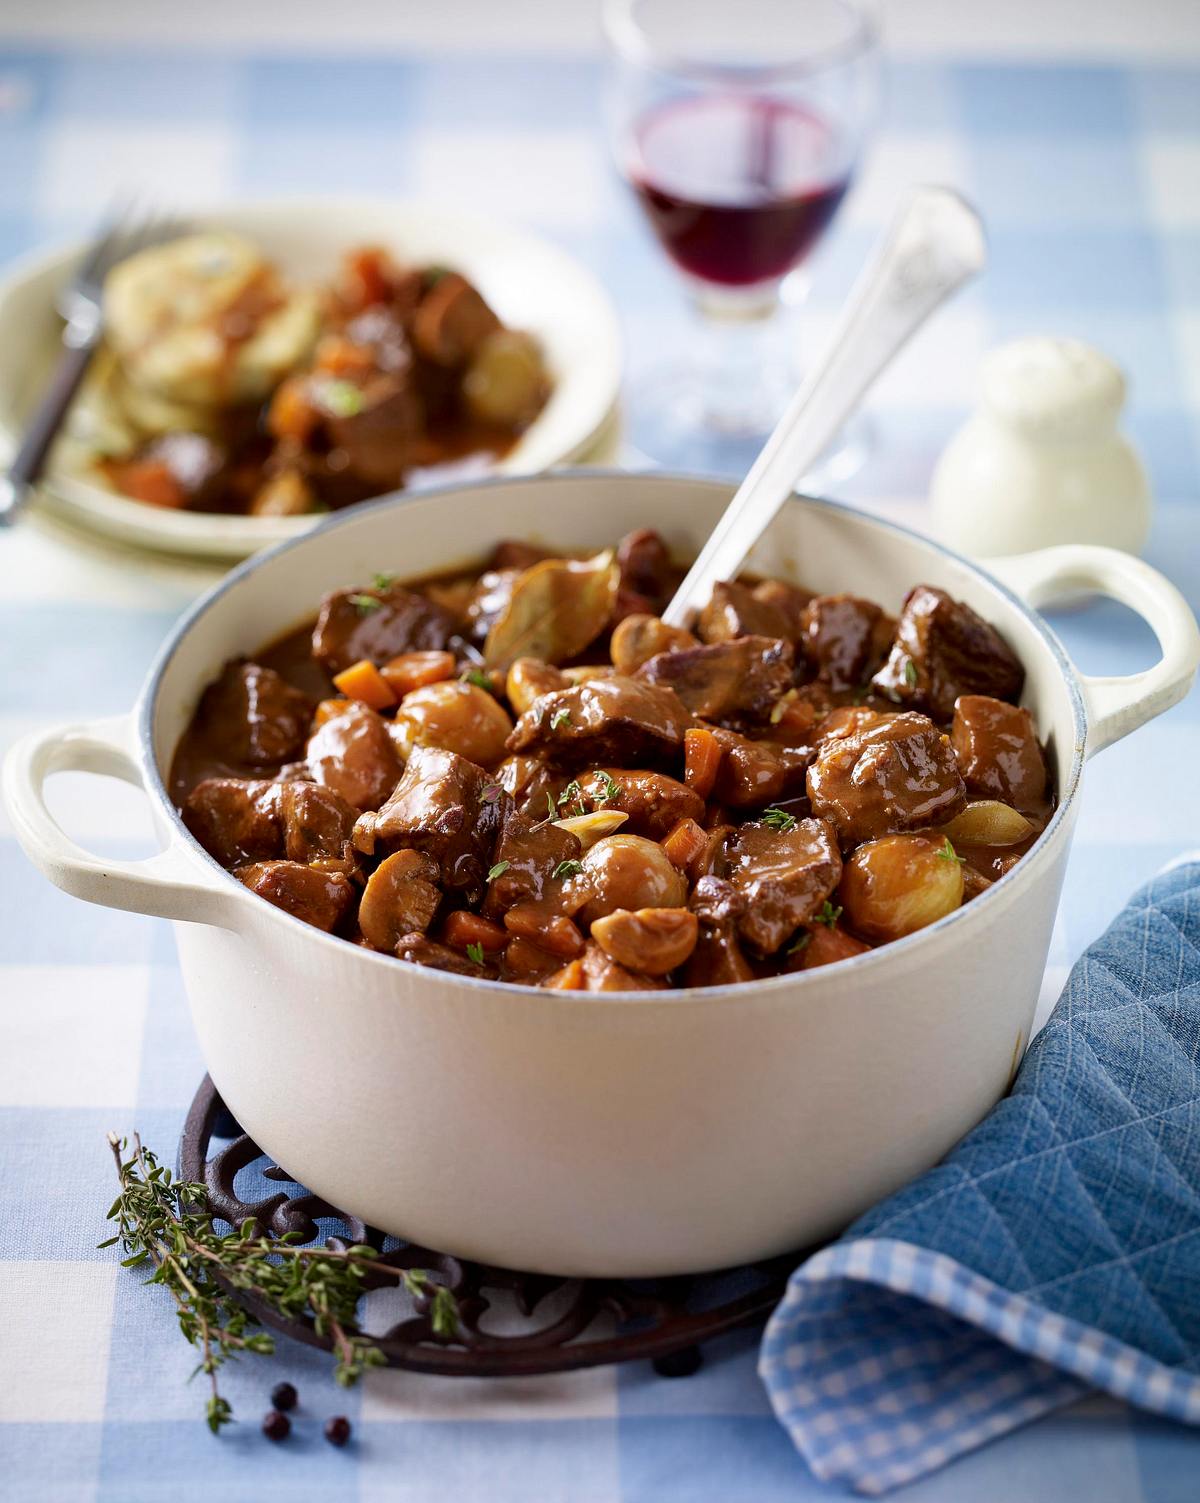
x=549, y=1324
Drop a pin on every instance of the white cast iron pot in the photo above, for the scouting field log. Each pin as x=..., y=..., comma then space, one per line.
x=607, y=1134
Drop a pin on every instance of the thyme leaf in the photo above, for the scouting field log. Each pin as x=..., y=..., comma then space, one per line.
x=948, y=853
x=828, y=914
x=779, y=819
x=560, y=717
x=166, y=1223
x=475, y=953
x=910, y=673
x=498, y=870
x=365, y=604
x=568, y=868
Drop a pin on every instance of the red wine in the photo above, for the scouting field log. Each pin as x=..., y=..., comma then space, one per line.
x=738, y=189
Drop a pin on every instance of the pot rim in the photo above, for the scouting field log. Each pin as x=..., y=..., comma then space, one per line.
x=859, y=965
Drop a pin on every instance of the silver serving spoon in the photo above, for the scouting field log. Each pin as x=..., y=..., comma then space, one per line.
x=935, y=245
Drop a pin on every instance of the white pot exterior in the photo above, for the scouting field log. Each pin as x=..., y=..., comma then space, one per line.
x=601, y=1134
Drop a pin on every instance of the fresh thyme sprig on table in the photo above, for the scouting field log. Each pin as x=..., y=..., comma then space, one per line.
x=166, y=1222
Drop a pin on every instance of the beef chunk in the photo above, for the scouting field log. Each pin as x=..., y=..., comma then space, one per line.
x=717, y=959
x=616, y=719
x=253, y=716
x=654, y=802
x=353, y=754
x=897, y=775
x=787, y=599
x=348, y=630
x=531, y=849
x=512, y=554
x=452, y=321
x=845, y=639
x=784, y=875
x=646, y=572
x=715, y=900
x=998, y=752
x=943, y=649
x=736, y=610
x=744, y=677
x=234, y=820
x=317, y=822
x=238, y=821
x=489, y=600
x=753, y=773
x=319, y=898
x=380, y=438
x=438, y=806
x=400, y=899
x=422, y=951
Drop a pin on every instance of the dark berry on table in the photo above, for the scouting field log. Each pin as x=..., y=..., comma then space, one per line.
x=337, y=1430
x=283, y=1396
x=276, y=1426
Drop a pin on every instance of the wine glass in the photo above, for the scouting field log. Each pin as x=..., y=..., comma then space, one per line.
x=738, y=125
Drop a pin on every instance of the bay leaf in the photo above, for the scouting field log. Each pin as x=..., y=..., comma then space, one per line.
x=556, y=609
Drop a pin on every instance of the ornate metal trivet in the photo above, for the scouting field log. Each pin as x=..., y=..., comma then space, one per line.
x=512, y=1323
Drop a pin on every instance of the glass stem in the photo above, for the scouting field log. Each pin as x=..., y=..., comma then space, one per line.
x=745, y=365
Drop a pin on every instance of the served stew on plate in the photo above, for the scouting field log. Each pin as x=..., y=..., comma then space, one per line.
x=224, y=387
x=521, y=773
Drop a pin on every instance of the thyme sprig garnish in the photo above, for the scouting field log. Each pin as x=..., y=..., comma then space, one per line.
x=166, y=1222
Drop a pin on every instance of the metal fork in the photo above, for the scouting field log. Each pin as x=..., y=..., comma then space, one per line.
x=80, y=302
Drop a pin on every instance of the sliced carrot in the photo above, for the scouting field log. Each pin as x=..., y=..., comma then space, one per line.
x=569, y=979
x=326, y=710
x=151, y=481
x=413, y=670
x=462, y=929
x=291, y=414
x=342, y=357
x=701, y=760
x=549, y=931
x=829, y=942
x=684, y=842
x=526, y=962
x=364, y=682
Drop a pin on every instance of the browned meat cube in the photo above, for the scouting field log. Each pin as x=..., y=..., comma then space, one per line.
x=531, y=850
x=422, y=951
x=489, y=600
x=380, y=434
x=617, y=719
x=319, y=898
x=788, y=599
x=234, y=820
x=785, y=875
x=400, y=899
x=654, y=802
x=252, y=715
x=717, y=959
x=452, y=321
x=753, y=773
x=317, y=822
x=943, y=649
x=439, y=807
x=998, y=752
x=897, y=775
x=353, y=754
x=511, y=553
x=845, y=639
x=737, y=610
x=745, y=677
x=349, y=628
x=646, y=572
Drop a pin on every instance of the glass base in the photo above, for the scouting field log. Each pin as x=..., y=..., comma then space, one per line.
x=673, y=421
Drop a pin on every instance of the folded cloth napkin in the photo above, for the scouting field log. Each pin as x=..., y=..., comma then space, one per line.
x=1056, y=1250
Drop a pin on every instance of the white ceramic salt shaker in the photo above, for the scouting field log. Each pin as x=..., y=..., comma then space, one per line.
x=1042, y=460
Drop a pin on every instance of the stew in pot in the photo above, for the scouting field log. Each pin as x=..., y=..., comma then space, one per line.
x=524, y=774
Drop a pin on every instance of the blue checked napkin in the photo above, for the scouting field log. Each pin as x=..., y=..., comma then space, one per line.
x=1057, y=1249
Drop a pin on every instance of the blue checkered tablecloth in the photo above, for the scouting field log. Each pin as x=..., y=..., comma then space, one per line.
x=1090, y=181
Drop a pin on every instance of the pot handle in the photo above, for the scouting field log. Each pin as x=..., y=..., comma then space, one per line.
x=1116, y=705
x=166, y=885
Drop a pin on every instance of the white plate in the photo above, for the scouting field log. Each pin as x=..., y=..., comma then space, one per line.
x=531, y=284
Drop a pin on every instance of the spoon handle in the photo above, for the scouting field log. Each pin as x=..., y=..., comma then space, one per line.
x=935, y=245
